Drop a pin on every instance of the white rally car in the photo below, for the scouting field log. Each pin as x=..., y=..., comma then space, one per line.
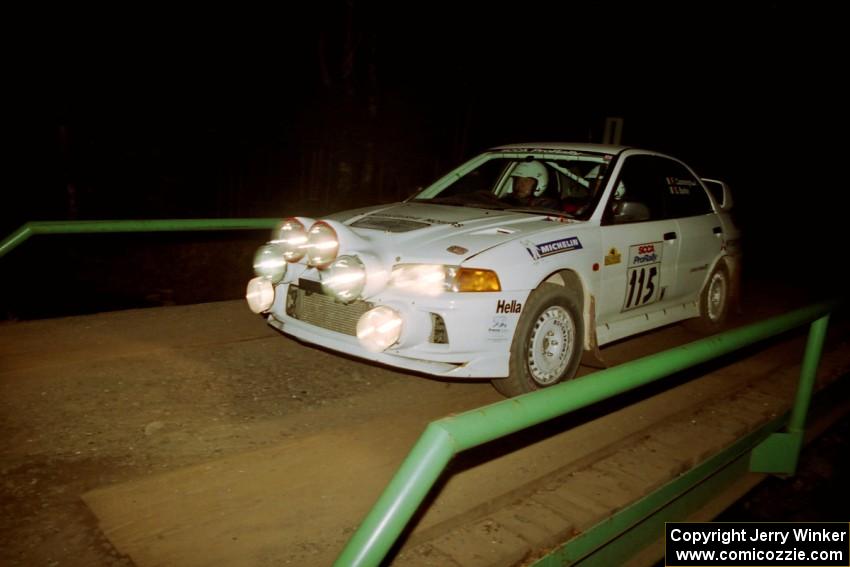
x=473, y=277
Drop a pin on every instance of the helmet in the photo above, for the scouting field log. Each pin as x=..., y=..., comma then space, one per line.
x=535, y=170
x=620, y=191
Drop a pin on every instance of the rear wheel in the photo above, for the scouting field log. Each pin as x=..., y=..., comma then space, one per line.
x=713, y=303
x=547, y=344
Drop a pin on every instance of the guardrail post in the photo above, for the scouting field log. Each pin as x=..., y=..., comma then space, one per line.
x=780, y=452
x=400, y=500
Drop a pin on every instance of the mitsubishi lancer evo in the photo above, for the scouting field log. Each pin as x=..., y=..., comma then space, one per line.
x=511, y=268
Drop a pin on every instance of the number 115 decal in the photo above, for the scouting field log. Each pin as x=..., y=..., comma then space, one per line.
x=643, y=276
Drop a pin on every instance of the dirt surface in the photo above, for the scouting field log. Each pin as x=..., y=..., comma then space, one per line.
x=96, y=401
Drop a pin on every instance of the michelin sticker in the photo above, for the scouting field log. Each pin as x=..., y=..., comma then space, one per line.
x=643, y=276
x=538, y=251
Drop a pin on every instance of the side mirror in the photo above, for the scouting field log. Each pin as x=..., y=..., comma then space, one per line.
x=630, y=211
x=721, y=193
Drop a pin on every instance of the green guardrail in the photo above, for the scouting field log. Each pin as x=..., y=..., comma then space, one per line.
x=444, y=438
x=165, y=225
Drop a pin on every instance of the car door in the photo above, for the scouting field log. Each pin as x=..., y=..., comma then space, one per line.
x=699, y=229
x=640, y=243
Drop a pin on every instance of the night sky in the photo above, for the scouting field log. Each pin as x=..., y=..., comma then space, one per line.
x=310, y=109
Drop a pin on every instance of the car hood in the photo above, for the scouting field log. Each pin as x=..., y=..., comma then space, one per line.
x=424, y=232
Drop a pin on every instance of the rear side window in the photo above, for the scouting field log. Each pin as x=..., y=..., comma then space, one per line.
x=641, y=182
x=684, y=194
x=665, y=187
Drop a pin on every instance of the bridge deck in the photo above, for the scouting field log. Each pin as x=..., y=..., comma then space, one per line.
x=198, y=436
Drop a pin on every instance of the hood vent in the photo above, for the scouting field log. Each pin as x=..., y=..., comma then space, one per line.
x=388, y=224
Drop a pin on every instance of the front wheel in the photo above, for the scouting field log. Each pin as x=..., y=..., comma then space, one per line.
x=547, y=344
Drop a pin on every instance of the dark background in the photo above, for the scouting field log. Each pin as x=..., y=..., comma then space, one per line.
x=313, y=108
x=149, y=112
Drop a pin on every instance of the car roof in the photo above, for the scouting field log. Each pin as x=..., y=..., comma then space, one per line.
x=561, y=147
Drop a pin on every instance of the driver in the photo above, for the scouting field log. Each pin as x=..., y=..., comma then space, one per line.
x=530, y=180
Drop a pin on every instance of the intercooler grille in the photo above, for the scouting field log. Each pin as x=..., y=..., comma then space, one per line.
x=321, y=310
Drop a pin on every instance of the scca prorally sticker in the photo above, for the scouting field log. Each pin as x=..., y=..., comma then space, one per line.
x=642, y=254
x=643, y=276
x=552, y=247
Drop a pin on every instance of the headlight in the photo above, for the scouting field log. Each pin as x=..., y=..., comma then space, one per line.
x=292, y=238
x=425, y=279
x=322, y=245
x=433, y=279
x=345, y=278
x=260, y=294
x=270, y=263
x=379, y=328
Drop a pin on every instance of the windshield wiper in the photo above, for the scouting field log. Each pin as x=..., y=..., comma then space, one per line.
x=539, y=211
x=462, y=202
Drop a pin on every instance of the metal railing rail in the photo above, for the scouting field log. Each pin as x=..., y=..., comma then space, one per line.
x=446, y=437
x=156, y=225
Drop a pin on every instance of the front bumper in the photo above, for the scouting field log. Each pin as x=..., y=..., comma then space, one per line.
x=479, y=327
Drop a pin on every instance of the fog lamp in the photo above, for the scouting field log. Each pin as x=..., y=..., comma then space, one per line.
x=292, y=238
x=379, y=328
x=270, y=263
x=322, y=245
x=345, y=278
x=260, y=294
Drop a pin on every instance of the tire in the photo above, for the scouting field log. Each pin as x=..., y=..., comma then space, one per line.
x=714, y=303
x=547, y=344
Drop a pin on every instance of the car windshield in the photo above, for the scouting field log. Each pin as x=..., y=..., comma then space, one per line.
x=567, y=185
